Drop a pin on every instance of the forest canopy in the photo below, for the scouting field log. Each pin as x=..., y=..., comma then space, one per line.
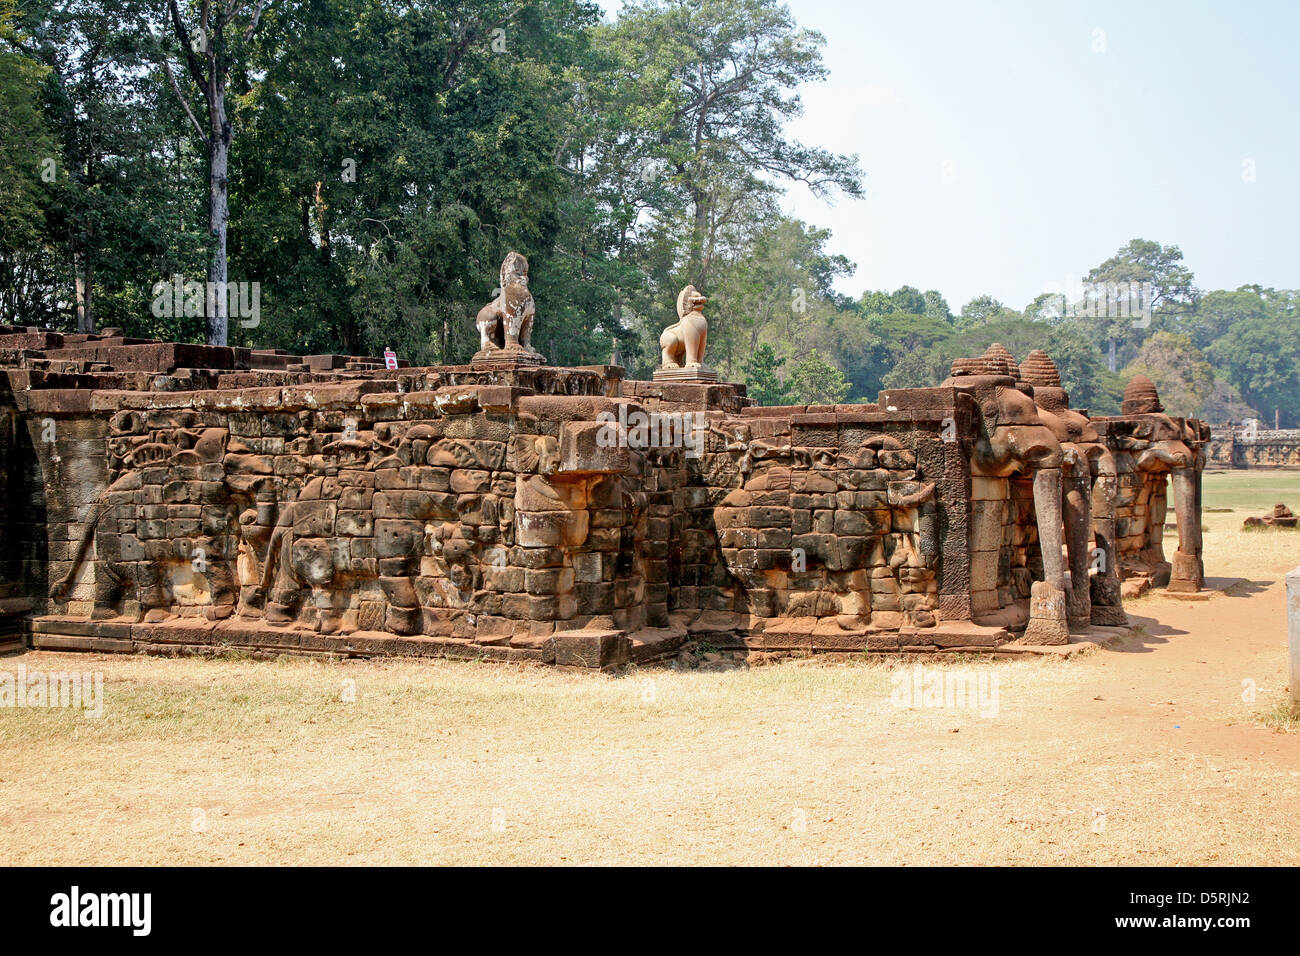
x=369, y=164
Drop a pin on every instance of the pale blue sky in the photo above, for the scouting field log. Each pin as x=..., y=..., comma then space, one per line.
x=1010, y=146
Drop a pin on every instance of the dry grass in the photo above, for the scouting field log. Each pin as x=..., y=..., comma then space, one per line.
x=1145, y=753
x=1284, y=717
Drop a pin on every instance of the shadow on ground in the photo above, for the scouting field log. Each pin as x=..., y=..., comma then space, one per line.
x=1148, y=633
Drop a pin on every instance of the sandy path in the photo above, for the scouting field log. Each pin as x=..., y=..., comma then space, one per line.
x=1145, y=752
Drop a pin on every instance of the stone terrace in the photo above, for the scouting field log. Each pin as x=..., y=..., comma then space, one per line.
x=182, y=498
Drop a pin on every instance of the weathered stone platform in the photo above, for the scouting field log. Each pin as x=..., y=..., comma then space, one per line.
x=169, y=498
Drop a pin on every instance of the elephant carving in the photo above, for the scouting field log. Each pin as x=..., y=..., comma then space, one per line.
x=304, y=555
x=171, y=548
x=1012, y=439
x=1150, y=445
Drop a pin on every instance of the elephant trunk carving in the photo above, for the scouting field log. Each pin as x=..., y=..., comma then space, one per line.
x=1107, y=602
x=1188, y=572
x=1047, y=602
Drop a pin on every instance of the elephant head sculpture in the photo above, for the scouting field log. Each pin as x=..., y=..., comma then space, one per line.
x=1152, y=444
x=1011, y=439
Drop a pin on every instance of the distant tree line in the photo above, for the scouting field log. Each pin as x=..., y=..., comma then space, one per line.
x=1223, y=356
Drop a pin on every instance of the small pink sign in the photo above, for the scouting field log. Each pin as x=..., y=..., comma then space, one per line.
x=390, y=358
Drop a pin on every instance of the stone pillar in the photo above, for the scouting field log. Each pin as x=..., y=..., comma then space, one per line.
x=1107, y=602
x=1047, y=602
x=1157, y=503
x=953, y=526
x=1077, y=512
x=1293, y=630
x=1188, y=572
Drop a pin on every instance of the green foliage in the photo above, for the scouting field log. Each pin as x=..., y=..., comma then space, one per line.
x=814, y=381
x=1260, y=358
x=1225, y=404
x=762, y=376
x=936, y=306
x=983, y=310
x=1214, y=313
x=390, y=162
x=121, y=210
x=25, y=143
x=711, y=84
x=1180, y=372
x=385, y=157
x=778, y=292
x=26, y=151
x=1172, y=293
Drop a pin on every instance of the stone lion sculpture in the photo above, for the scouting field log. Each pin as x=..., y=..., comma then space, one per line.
x=507, y=321
x=683, y=343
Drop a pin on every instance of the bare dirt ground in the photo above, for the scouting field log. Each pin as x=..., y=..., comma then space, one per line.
x=1153, y=751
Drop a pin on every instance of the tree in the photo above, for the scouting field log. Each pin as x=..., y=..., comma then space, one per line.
x=25, y=143
x=870, y=344
x=762, y=376
x=1224, y=404
x=936, y=306
x=777, y=289
x=1158, y=277
x=922, y=369
x=712, y=83
x=814, y=381
x=908, y=299
x=108, y=192
x=907, y=332
x=983, y=310
x=875, y=302
x=1180, y=372
x=855, y=343
x=26, y=148
x=926, y=361
x=1215, y=312
x=1260, y=358
x=379, y=201
x=1046, y=307
x=212, y=42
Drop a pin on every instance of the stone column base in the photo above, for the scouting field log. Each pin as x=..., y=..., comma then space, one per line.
x=1107, y=602
x=1187, y=574
x=688, y=373
x=1047, y=622
x=507, y=358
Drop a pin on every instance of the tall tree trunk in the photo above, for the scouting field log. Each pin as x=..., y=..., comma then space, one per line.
x=321, y=224
x=207, y=63
x=1112, y=359
x=83, y=276
x=699, y=268
x=218, y=218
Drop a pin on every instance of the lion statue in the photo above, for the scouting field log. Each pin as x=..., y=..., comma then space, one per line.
x=683, y=342
x=507, y=321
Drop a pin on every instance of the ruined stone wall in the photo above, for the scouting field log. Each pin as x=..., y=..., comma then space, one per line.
x=474, y=515
x=846, y=526
x=1141, y=508
x=1265, y=448
x=23, y=546
x=1149, y=450
x=523, y=512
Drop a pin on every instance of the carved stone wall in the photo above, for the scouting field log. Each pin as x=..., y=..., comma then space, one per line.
x=325, y=504
x=1149, y=450
x=1265, y=448
x=23, y=543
